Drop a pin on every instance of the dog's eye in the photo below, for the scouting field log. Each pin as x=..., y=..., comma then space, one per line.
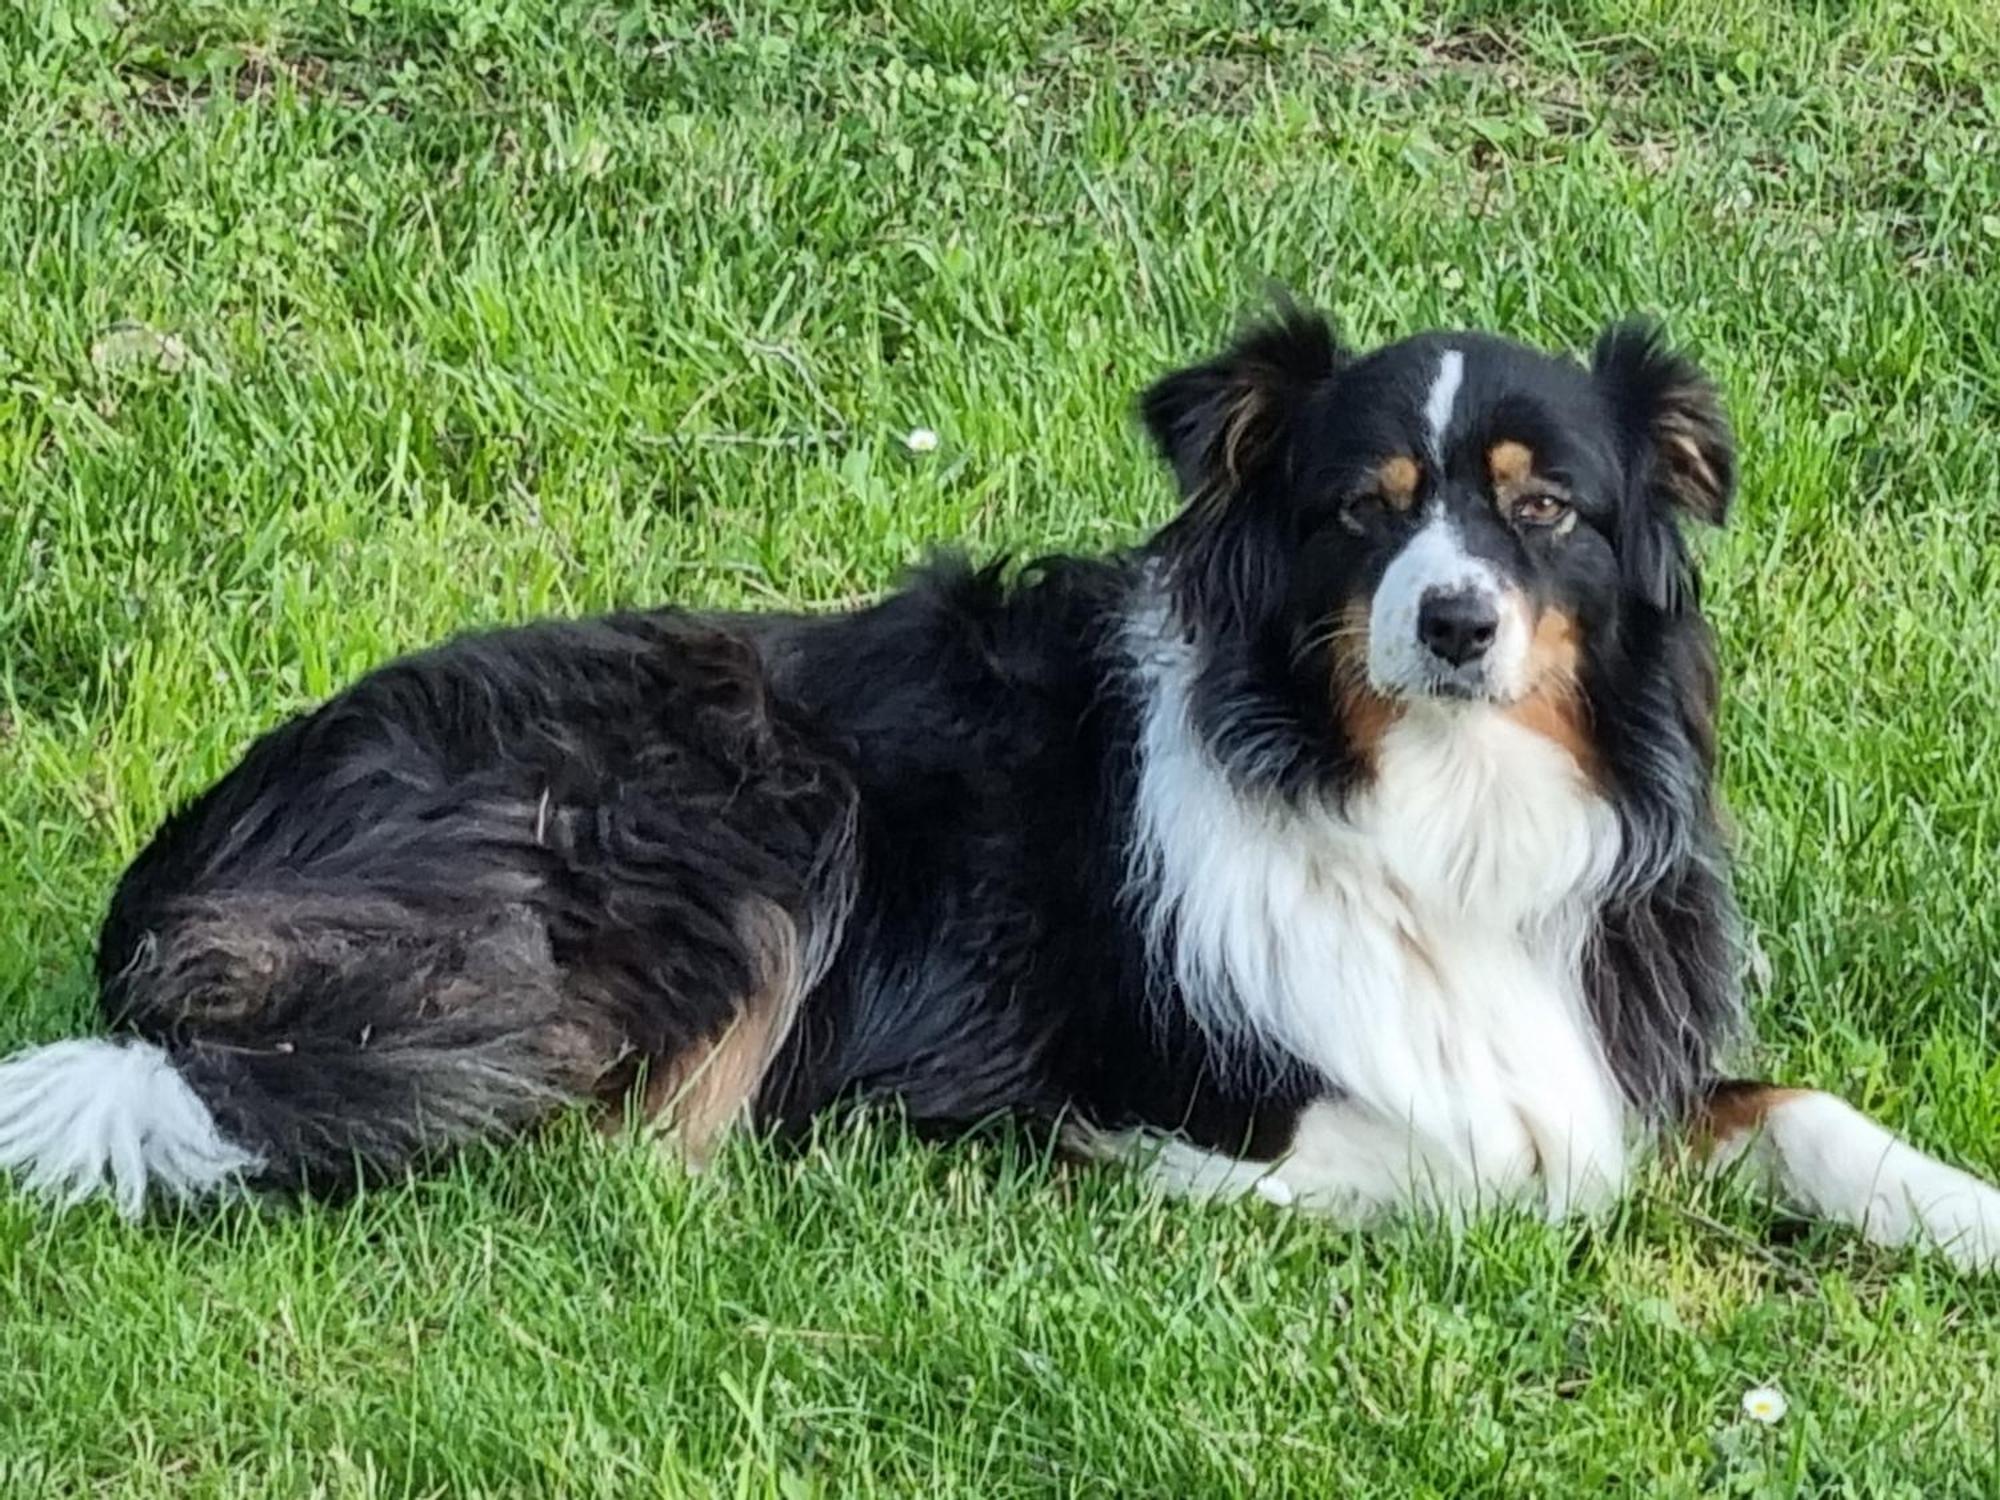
x=1539, y=510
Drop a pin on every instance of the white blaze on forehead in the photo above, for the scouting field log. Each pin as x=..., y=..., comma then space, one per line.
x=1443, y=397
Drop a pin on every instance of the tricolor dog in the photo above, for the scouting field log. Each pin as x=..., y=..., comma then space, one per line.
x=1352, y=842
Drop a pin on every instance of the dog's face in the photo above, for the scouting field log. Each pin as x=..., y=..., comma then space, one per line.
x=1451, y=519
x=1460, y=500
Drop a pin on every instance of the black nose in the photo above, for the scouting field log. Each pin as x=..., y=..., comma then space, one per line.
x=1457, y=625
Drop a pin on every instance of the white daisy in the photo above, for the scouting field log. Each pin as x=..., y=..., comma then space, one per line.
x=921, y=440
x=1764, y=1404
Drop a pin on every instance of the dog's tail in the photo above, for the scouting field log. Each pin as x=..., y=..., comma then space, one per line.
x=299, y=1049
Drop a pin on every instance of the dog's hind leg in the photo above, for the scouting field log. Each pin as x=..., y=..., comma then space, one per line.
x=699, y=917
x=692, y=1096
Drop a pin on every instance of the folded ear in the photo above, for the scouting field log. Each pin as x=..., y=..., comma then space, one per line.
x=1673, y=419
x=1222, y=424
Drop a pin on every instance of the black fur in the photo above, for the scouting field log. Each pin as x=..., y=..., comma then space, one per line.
x=487, y=879
x=526, y=868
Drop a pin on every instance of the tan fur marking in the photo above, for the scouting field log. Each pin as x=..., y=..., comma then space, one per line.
x=1367, y=715
x=1733, y=1110
x=1240, y=431
x=1556, y=649
x=1509, y=464
x=699, y=1101
x=1680, y=443
x=1556, y=717
x=697, y=1097
x=1396, y=480
x=1554, y=706
x=1364, y=713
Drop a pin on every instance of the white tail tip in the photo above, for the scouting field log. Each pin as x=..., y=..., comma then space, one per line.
x=80, y=1118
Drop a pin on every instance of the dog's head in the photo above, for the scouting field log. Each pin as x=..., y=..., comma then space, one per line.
x=1449, y=520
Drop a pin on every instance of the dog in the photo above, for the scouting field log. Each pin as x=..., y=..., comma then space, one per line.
x=1352, y=842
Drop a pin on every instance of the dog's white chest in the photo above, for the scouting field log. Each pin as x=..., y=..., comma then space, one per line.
x=1420, y=947
x=1479, y=854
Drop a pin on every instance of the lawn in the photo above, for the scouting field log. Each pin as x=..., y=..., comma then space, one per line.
x=328, y=329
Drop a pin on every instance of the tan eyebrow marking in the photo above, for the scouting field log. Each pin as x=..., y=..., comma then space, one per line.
x=1509, y=463
x=1511, y=466
x=1396, y=478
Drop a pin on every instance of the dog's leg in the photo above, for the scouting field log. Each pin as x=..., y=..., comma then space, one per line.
x=1178, y=1167
x=1820, y=1156
x=695, y=1096
x=1344, y=1162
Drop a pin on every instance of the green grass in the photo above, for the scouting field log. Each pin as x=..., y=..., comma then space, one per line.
x=328, y=329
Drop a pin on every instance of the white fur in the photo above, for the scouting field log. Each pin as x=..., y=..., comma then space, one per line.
x=1345, y=1162
x=82, y=1117
x=1823, y=1157
x=1179, y=1167
x=1399, y=663
x=1420, y=947
x=1443, y=398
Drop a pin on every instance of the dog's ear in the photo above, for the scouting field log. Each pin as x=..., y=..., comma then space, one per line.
x=1676, y=433
x=1222, y=424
